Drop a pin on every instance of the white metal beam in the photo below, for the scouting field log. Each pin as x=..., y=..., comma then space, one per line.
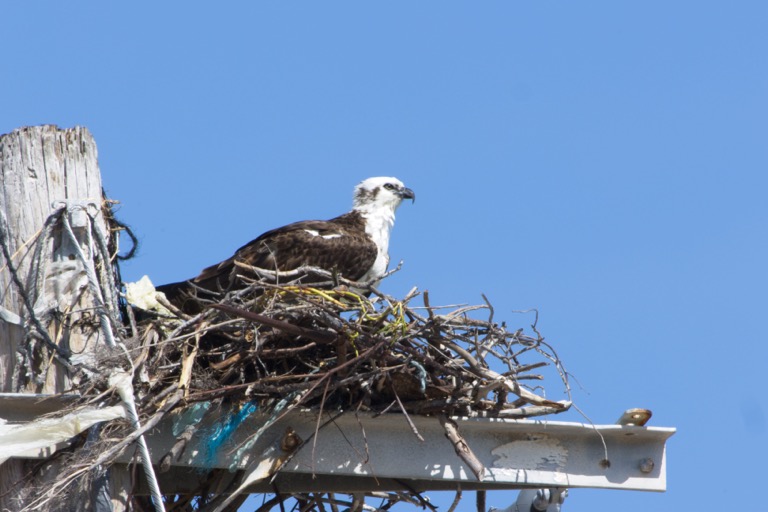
x=515, y=453
x=364, y=452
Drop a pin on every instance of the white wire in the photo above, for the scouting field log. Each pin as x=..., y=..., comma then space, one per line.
x=93, y=283
x=122, y=381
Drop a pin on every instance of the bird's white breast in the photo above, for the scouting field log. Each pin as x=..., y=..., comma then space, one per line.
x=378, y=226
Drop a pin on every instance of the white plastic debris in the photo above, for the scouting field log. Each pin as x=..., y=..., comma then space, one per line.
x=27, y=439
x=142, y=294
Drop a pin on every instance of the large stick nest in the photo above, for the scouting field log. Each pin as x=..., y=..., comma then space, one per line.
x=317, y=346
x=328, y=348
x=334, y=348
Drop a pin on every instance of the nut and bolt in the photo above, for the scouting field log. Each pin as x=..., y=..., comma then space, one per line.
x=647, y=465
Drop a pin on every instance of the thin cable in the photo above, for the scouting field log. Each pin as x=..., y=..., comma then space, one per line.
x=62, y=355
x=108, y=280
x=122, y=382
x=104, y=317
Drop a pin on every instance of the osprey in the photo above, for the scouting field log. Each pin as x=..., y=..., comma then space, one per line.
x=354, y=244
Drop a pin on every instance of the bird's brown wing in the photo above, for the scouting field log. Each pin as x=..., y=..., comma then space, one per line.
x=329, y=245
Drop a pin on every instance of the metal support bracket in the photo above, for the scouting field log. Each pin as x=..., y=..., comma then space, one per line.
x=363, y=452
x=550, y=500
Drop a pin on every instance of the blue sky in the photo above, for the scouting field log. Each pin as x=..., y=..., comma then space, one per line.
x=603, y=162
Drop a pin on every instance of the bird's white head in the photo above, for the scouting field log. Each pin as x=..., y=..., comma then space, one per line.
x=380, y=194
x=376, y=200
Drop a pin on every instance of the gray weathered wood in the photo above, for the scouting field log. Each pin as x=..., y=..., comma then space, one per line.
x=43, y=168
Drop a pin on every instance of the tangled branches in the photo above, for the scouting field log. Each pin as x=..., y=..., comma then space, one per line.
x=323, y=347
x=349, y=352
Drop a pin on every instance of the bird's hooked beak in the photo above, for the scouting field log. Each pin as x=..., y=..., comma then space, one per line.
x=407, y=193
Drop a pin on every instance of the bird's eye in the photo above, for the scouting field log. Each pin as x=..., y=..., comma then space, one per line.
x=389, y=186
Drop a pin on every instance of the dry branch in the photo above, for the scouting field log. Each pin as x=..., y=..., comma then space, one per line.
x=461, y=447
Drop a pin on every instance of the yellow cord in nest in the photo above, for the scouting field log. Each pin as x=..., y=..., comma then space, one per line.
x=397, y=325
x=352, y=336
x=332, y=296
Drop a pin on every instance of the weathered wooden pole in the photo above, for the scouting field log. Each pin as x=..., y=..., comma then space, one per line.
x=56, y=313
